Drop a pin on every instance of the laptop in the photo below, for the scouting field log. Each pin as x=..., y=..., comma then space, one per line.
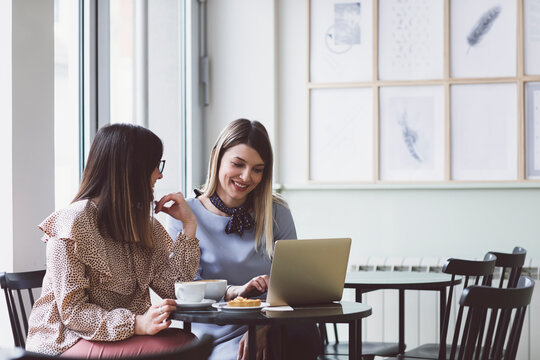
x=306, y=272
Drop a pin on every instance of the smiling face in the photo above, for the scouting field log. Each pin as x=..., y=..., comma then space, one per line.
x=240, y=171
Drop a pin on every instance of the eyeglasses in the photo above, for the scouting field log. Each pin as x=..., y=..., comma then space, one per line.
x=161, y=166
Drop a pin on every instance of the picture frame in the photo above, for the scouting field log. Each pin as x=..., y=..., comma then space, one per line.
x=411, y=40
x=341, y=135
x=532, y=123
x=480, y=31
x=412, y=133
x=531, y=29
x=484, y=132
x=341, y=41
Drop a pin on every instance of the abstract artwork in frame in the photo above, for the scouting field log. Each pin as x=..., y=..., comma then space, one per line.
x=411, y=40
x=341, y=41
x=341, y=135
x=531, y=19
x=412, y=139
x=481, y=31
x=484, y=132
x=532, y=130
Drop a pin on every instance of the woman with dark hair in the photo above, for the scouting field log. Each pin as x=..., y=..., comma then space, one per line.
x=106, y=250
x=239, y=219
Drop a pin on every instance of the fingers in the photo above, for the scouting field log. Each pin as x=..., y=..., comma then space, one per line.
x=260, y=283
x=162, y=325
x=243, y=348
x=166, y=307
x=161, y=318
x=169, y=304
x=160, y=205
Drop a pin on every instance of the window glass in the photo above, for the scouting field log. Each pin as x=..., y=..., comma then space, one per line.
x=66, y=101
x=146, y=76
x=121, y=42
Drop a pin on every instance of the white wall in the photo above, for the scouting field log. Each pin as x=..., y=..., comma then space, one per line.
x=381, y=220
x=33, y=128
x=27, y=128
x=240, y=35
x=6, y=213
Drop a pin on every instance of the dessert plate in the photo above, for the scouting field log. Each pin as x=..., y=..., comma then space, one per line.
x=225, y=307
x=195, y=305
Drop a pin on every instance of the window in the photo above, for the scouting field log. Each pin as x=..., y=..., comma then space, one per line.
x=133, y=56
x=66, y=100
x=146, y=86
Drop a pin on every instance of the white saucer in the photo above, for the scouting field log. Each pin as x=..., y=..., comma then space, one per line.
x=225, y=307
x=195, y=305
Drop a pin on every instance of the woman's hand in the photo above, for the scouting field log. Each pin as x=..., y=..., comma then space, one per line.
x=262, y=345
x=155, y=318
x=179, y=210
x=254, y=287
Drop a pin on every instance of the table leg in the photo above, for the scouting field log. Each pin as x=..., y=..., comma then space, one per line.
x=358, y=328
x=282, y=341
x=252, y=342
x=401, y=348
x=353, y=341
x=442, y=313
x=187, y=326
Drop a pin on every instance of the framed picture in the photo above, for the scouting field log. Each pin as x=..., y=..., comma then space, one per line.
x=341, y=135
x=412, y=137
x=531, y=29
x=532, y=126
x=341, y=41
x=411, y=39
x=484, y=132
x=480, y=31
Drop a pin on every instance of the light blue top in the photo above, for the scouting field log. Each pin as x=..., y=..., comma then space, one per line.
x=231, y=257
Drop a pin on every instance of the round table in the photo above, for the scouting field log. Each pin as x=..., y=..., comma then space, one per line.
x=339, y=312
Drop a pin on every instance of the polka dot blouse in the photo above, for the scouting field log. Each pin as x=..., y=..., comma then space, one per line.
x=94, y=286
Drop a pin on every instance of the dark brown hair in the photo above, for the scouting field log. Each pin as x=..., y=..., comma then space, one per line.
x=121, y=161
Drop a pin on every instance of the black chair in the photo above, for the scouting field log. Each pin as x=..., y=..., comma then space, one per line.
x=510, y=266
x=473, y=273
x=197, y=350
x=498, y=338
x=20, y=299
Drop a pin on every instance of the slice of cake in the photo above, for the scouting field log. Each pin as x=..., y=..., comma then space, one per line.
x=243, y=302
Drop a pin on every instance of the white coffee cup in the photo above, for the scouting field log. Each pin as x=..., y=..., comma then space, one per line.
x=215, y=289
x=190, y=291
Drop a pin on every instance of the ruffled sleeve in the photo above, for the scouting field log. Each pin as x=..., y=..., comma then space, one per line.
x=173, y=260
x=73, y=245
x=78, y=223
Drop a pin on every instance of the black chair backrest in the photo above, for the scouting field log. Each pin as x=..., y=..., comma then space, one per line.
x=20, y=299
x=473, y=272
x=499, y=337
x=197, y=350
x=510, y=266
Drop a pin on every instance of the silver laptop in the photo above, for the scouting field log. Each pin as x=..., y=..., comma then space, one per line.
x=308, y=271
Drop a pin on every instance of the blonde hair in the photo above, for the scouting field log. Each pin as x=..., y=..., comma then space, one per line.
x=253, y=134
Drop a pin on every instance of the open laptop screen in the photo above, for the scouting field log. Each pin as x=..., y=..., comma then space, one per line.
x=308, y=271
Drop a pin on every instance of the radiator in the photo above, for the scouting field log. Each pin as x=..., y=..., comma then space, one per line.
x=422, y=307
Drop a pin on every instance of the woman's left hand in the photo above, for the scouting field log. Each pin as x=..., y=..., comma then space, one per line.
x=254, y=287
x=179, y=210
x=262, y=345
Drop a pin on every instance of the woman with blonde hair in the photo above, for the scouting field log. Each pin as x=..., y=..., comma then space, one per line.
x=239, y=219
x=106, y=250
